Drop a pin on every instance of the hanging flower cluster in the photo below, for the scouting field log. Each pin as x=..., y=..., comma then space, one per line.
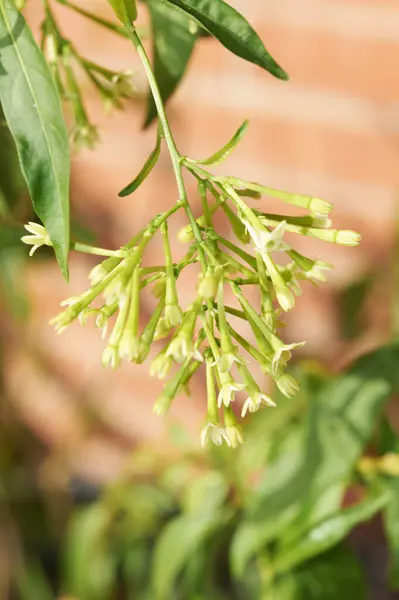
x=202, y=335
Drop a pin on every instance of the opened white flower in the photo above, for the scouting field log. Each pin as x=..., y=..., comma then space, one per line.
x=316, y=274
x=266, y=241
x=253, y=402
x=214, y=432
x=110, y=357
x=228, y=389
x=39, y=237
x=282, y=355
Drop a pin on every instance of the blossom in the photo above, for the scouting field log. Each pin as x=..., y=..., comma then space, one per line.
x=39, y=237
x=161, y=365
x=129, y=346
x=214, y=432
x=226, y=361
x=282, y=355
x=267, y=241
x=253, y=402
x=227, y=391
x=315, y=273
x=287, y=385
x=235, y=435
x=110, y=357
x=182, y=347
x=173, y=315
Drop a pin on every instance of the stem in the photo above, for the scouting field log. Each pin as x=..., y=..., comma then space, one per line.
x=175, y=156
x=78, y=247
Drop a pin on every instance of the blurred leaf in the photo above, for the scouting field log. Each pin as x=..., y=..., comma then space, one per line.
x=33, y=112
x=338, y=425
x=391, y=526
x=176, y=544
x=334, y=575
x=351, y=302
x=144, y=506
x=388, y=438
x=173, y=41
x=89, y=563
x=125, y=10
x=327, y=533
x=232, y=30
x=32, y=583
x=12, y=262
x=205, y=494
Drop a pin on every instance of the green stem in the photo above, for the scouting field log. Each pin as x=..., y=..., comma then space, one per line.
x=174, y=153
x=78, y=247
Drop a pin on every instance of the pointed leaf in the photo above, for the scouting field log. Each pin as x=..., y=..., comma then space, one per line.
x=145, y=171
x=328, y=532
x=220, y=155
x=33, y=112
x=232, y=30
x=173, y=43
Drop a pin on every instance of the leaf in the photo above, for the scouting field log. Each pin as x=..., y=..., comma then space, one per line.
x=391, y=526
x=145, y=171
x=125, y=10
x=338, y=425
x=33, y=112
x=232, y=30
x=388, y=438
x=327, y=533
x=179, y=539
x=351, y=302
x=89, y=564
x=220, y=155
x=173, y=43
x=335, y=575
x=206, y=494
x=32, y=583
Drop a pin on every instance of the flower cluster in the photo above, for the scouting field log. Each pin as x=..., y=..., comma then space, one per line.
x=203, y=335
x=65, y=61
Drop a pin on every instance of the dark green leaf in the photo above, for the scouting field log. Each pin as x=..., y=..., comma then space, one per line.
x=351, y=304
x=335, y=575
x=173, y=43
x=232, y=30
x=34, y=115
x=388, y=438
x=339, y=424
x=32, y=583
x=145, y=171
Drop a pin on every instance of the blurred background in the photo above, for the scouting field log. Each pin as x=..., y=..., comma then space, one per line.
x=332, y=131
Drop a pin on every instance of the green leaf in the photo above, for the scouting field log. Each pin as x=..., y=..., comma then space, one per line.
x=89, y=564
x=338, y=425
x=33, y=112
x=145, y=171
x=32, y=583
x=335, y=575
x=388, y=438
x=391, y=526
x=327, y=533
x=232, y=30
x=178, y=541
x=206, y=494
x=351, y=302
x=125, y=10
x=220, y=155
x=173, y=43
